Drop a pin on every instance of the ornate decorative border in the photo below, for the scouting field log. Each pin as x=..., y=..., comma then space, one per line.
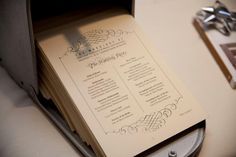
x=89, y=41
x=230, y=51
x=150, y=122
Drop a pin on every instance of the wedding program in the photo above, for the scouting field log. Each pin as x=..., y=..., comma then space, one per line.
x=102, y=74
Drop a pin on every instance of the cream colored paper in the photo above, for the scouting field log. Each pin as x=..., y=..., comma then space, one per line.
x=129, y=100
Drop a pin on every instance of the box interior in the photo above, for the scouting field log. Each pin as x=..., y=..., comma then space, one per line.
x=48, y=14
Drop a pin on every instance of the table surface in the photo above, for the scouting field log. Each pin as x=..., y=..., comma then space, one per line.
x=26, y=132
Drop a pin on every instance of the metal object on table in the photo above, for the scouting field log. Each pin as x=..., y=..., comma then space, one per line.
x=186, y=144
x=218, y=17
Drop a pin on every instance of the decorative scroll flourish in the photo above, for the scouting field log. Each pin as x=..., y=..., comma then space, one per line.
x=150, y=122
x=101, y=35
x=94, y=40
